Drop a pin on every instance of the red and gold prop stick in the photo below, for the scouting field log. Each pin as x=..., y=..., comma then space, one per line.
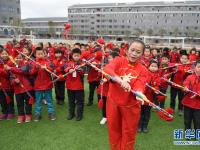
x=76, y=68
x=102, y=43
x=31, y=99
x=137, y=93
x=177, y=65
x=155, y=90
x=179, y=86
x=52, y=73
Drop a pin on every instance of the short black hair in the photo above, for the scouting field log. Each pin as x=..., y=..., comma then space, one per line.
x=139, y=41
x=38, y=49
x=114, y=54
x=76, y=51
x=154, y=61
x=166, y=56
x=58, y=51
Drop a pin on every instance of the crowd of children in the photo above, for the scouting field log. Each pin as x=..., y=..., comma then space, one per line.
x=29, y=72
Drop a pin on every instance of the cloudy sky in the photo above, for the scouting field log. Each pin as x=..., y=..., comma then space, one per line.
x=58, y=8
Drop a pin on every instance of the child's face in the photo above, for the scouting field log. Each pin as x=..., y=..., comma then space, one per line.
x=18, y=58
x=4, y=55
x=39, y=54
x=153, y=67
x=197, y=69
x=184, y=59
x=25, y=52
x=147, y=52
x=164, y=60
x=154, y=52
x=76, y=56
x=193, y=52
x=58, y=55
x=110, y=58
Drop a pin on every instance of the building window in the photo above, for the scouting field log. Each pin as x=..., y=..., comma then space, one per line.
x=181, y=21
x=197, y=21
x=190, y=9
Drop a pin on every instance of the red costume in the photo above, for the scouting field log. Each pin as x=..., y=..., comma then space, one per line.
x=123, y=110
x=74, y=80
x=192, y=82
x=43, y=79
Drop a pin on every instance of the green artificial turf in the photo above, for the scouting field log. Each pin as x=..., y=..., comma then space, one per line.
x=87, y=134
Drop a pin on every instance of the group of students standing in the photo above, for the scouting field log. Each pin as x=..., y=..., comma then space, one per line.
x=31, y=71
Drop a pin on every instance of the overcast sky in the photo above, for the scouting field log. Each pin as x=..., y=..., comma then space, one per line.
x=58, y=8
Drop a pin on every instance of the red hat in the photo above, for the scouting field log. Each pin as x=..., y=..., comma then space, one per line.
x=98, y=55
x=110, y=45
x=164, y=117
x=101, y=41
x=85, y=55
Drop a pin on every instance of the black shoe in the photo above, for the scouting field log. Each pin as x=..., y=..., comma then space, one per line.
x=89, y=103
x=60, y=102
x=52, y=116
x=145, y=130
x=37, y=118
x=79, y=118
x=70, y=117
x=139, y=130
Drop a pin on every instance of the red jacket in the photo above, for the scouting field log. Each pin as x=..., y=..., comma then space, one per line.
x=4, y=78
x=192, y=82
x=165, y=73
x=154, y=81
x=181, y=74
x=120, y=66
x=145, y=60
x=59, y=65
x=43, y=79
x=22, y=74
x=75, y=80
x=174, y=57
x=192, y=57
x=94, y=75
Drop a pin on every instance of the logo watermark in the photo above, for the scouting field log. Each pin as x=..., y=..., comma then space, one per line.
x=187, y=137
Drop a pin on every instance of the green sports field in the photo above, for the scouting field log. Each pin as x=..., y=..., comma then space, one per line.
x=87, y=134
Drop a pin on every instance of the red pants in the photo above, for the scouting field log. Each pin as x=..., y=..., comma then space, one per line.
x=122, y=125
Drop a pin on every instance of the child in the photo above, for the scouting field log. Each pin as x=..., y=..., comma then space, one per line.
x=21, y=86
x=75, y=86
x=105, y=87
x=165, y=62
x=154, y=81
x=193, y=56
x=146, y=58
x=59, y=63
x=178, y=78
x=43, y=85
x=94, y=76
x=190, y=101
x=6, y=92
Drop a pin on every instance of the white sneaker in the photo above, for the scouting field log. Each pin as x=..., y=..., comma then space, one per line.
x=103, y=121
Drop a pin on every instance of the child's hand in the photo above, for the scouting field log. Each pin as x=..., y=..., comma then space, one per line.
x=71, y=70
x=185, y=89
x=94, y=63
x=17, y=80
x=44, y=67
x=7, y=67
